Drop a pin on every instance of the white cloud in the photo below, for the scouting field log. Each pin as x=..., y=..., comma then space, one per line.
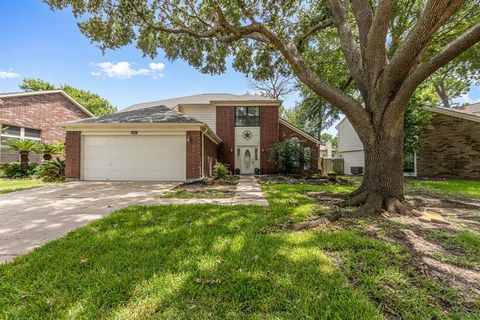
x=8, y=75
x=125, y=70
x=157, y=66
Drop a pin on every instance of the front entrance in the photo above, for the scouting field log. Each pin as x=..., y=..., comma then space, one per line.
x=248, y=159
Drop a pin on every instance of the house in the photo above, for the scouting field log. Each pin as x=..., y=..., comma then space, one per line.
x=180, y=139
x=450, y=148
x=35, y=116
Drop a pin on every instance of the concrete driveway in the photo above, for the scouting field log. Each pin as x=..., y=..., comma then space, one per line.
x=32, y=217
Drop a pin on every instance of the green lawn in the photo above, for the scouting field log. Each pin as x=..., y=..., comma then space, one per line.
x=219, y=262
x=7, y=185
x=465, y=188
x=441, y=187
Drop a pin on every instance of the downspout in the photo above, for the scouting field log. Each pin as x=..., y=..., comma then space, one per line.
x=203, y=151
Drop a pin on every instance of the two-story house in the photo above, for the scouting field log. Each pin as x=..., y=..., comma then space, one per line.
x=35, y=116
x=180, y=139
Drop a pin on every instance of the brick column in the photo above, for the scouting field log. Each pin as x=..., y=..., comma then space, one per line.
x=194, y=155
x=72, y=155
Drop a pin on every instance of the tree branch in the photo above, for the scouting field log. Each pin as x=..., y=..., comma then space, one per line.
x=447, y=54
x=348, y=45
x=319, y=26
x=362, y=10
x=436, y=12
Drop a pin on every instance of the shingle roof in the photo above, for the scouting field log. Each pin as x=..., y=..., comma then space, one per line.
x=206, y=98
x=471, y=109
x=156, y=114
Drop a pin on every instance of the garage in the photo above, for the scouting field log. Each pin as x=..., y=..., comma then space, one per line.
x=134, y=157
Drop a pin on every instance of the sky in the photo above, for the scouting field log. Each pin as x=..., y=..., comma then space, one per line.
x=40, y=43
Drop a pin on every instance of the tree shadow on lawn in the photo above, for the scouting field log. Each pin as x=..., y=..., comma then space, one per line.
x=206, y=262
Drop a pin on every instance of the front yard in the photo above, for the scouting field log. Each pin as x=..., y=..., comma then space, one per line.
x=12, y=185
x=238, y=262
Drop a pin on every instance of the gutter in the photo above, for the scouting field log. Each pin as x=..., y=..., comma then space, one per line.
x=203, y=150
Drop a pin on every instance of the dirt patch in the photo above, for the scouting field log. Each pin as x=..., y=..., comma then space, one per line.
x=301, y=179
x=206, y=189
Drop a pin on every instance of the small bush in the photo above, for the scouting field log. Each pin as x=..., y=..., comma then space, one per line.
x=13, y=170
x=220, y=171
x=289, y=155
x=332, y=172
x=52, y=171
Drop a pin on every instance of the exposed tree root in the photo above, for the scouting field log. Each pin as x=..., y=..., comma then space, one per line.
x=368, y=203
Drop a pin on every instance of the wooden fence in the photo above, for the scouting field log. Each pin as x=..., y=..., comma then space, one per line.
x=331, y=164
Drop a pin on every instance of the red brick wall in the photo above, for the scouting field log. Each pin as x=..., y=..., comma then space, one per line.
x=44, y=112
x=210, y=156
x=287, y=133
x=268, y=136
x=451, y=149
x=72, y=154
x=226, y=131
x=194, y=155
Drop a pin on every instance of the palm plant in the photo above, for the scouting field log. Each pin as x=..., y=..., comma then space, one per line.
x=49, y=149
x=24, y=148
x=53, y=171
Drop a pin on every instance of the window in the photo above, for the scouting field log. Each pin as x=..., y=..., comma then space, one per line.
x=247, y=116
x=32, y=133
x=11, y=131
x=20, y=133
x=409, y=163
x=307, y=153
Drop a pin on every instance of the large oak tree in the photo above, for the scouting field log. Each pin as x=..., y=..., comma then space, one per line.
x=387, y=47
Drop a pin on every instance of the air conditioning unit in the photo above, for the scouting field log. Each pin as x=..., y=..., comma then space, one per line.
x=356, y=170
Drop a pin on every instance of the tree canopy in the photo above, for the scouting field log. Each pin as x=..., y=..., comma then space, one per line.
x=91, y=101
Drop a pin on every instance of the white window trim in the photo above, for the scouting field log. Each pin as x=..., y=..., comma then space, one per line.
x=22, y=135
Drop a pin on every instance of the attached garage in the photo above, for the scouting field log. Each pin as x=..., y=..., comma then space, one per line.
x=151, y=144
x=140, y=158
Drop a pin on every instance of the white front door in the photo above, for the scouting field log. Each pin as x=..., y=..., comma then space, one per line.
x=248, y=159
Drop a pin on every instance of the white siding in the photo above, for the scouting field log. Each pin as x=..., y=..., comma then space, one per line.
x=206, y=114
x=353, y=159
x=348, y=139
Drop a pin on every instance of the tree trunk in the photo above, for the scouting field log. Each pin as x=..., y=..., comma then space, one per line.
x=382, y=185
x=24, y=160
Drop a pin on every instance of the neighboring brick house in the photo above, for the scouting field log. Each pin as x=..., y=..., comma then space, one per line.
x=35, y=116
x=180, y=139
x=450, y=149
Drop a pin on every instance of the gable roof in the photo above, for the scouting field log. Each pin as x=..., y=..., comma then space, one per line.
x=157, y=114
x=206, y=98
x=299, y=131
x=468, y=112
x=35, y=93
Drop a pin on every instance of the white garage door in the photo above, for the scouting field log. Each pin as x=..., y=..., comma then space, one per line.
x=134, y=158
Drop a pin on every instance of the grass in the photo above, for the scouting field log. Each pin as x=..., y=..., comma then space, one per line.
x=445, y=187
x=7, y=185
x=217, y=262
x=198, y=194
x=453, y=187
x=467, y=242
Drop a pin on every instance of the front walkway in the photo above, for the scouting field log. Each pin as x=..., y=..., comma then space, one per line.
x=248, y=192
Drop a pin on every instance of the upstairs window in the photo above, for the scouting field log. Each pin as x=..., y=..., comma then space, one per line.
x=247, y=116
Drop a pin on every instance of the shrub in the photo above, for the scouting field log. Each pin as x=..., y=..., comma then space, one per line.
x=48, y=150
x=13, y=170
x=53, y=171
x=332, y=172
x=220, y=171
x=289, y=155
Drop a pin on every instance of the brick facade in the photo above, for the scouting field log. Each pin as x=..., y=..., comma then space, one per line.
x=451, y=149
x=269, y=136
x=73, y=147
x=210, y=156
x=194, y=155
x=225, y=119
x=40, y=111
x=287, y=133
